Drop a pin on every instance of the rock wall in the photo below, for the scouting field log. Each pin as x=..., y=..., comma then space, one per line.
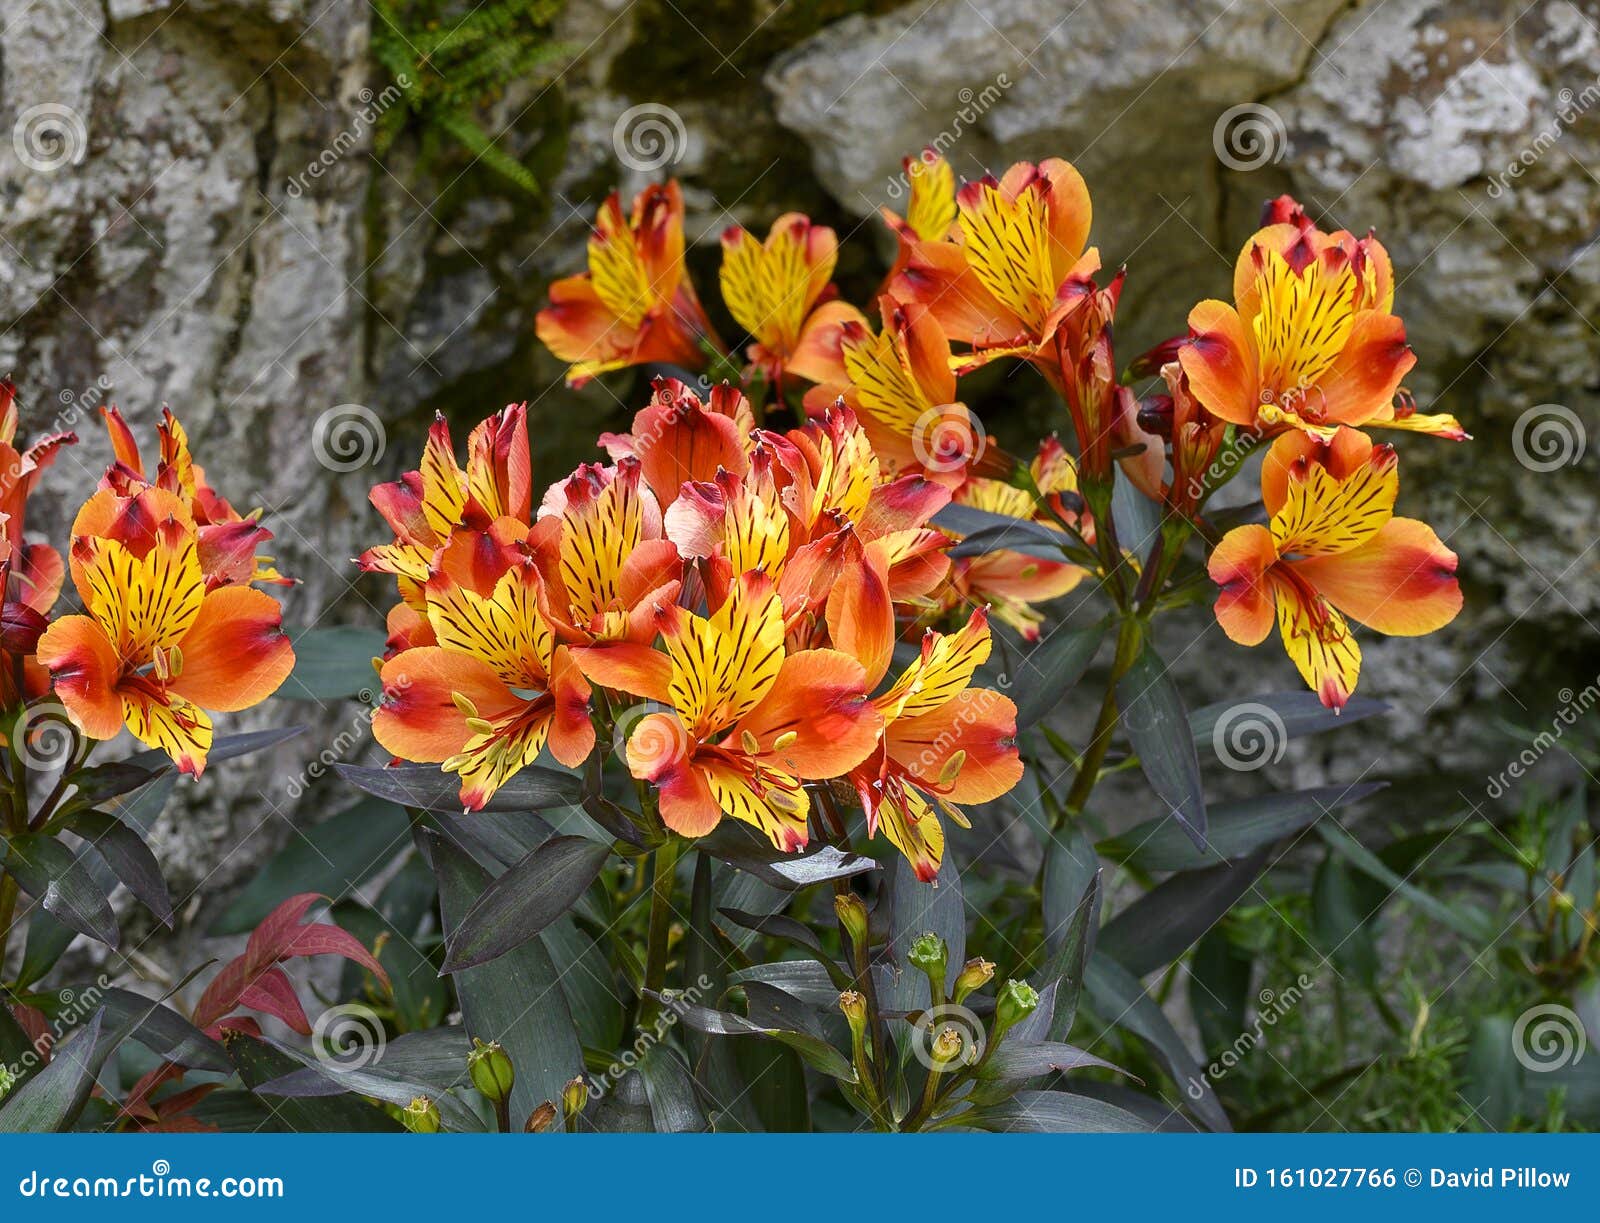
x=165, y=238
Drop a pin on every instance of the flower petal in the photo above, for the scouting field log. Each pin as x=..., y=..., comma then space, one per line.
x=979, y=723
x=84, y=668
x=1221, y=363
x=1402, y=581
x=236, y=654
x=820, y=698
x=1239, y=565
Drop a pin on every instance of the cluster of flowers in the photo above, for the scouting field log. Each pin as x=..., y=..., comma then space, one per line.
x=720, y=600
x=1308, y=355
x=172, y=628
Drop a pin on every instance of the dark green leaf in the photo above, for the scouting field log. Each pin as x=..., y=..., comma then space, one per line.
x=667, y=1084
x=421, y=998
x=260, y=1063
x=1474, y=927
x=988, y=531
x=1044, y=675
x=740, y=847
x=1219, y=988
x=104, y=781
x=1070, y=866
x=333, y=663
x=1014, y=1062
x=817, y=1052
x=428, y=787
x=51, y=1100
x=1234, y=828
x=1166, y=921
x=1494, y=1077
x=162, y=1030
x=524, y=900
x=1056, y=1112
x=129, y=858
x=921, y=908
x=50, y=873
x=1156, y=724
x=1255, y=729
x=334, y=858
x=1063, y=975
x=776, y=1082
x=593, y=991
x=1342, y=905
x=228, y=747
x=517, y=1000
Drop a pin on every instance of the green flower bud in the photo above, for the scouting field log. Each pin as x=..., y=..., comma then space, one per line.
x=1016, y=1001
x=947, y=1048
x=491, y=1070
x=852, y=917
x=974, y=975
x=854, y=1007
x=930, y=955
x=421, y=1116
x=573, y=1097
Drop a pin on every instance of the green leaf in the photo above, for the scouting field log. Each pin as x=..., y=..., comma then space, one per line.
x=428, y=787
x=51, y=1100
x=1494, y=1076
x=421, y=999
x=920, y=908
x=103, y=781
x=1045, y=674
x=128, y=857
x=994, y=531
x=1235, y=829
x=1219, y=988
x=1055, y=1112
x=1342, y=905
x=524, y=900
x=594, y=994
x=1166, y=921
x=1063, y=976
x=670, y=1089
x=334, y=858
x=259, y=1063
x=1475, y=928
x=333, y=663
x=228, y=747
x=816, y=1051
x=776, y=1080
x=1014, y=1062
x=61, y=883
x=1256, y=728
x=1120, y=998
x=517, y=1000
x=746, y=850
x=1156, y=724
x=1071, y=865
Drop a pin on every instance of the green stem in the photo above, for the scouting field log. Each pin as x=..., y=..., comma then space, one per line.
x=1129, y=641
x=655, y=963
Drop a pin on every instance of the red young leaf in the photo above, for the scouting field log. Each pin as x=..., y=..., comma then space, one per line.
x=272, y=993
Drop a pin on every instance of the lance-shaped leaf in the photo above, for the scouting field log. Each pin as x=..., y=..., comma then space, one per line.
x=1156, y=724
x=736, y=845
x=430, y=788
x=1167, y=920
x=816, y=1051
x=61, y=883
x=988, y=531
x=128, y=856
x=1046, y=673
x=228, y=747
x=921, y=908
x=52, y=1099
x=1055, y=1112
x=524, y=900
x=1234, y=829
x=1258, y=726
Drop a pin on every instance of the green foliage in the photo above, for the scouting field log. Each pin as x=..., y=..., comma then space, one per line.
x=450, y=62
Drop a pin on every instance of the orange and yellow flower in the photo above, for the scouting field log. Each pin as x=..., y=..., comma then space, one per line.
x=780, y=292
x=160, y=646
x=1311, y=340
x=1333, y=549
x=635, y=303
x=742, y=723
x=944, y=742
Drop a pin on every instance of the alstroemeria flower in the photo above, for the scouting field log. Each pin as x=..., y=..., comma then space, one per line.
x=1011, y=583
x=497, y=687
x=1310, y=342
x=636, y=303
x=1017, y=241
x=159, y=648
x=228, y=539
x=931, y=212
x=1333, y=549
x=743, y=724
x=943, y=743
x=425, y=507
x=779, y=291
x=678, y=437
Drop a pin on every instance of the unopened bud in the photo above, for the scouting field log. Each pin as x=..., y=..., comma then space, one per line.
x=491, y=1070
x=947, y=1047
x=852, y=917
x=421, y=1116
x=974, y=975
x=573, y=1097
x=1016, y=1001
x=930, y=956
x=540, y=1119
x=854, y=1007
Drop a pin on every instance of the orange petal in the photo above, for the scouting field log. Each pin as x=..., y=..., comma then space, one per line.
x=1363, y=378
x=1239, y=565
x=978, y=722
x=821, y=699
x=817, y=356
x=627, y=667
x=1220, y=361
x=419, y=718
x=860, y=612
x=1402, y=581
x=937, y=276
x=1318, y=642
x=236, y=654
x=571, y=728
x=84, y=667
